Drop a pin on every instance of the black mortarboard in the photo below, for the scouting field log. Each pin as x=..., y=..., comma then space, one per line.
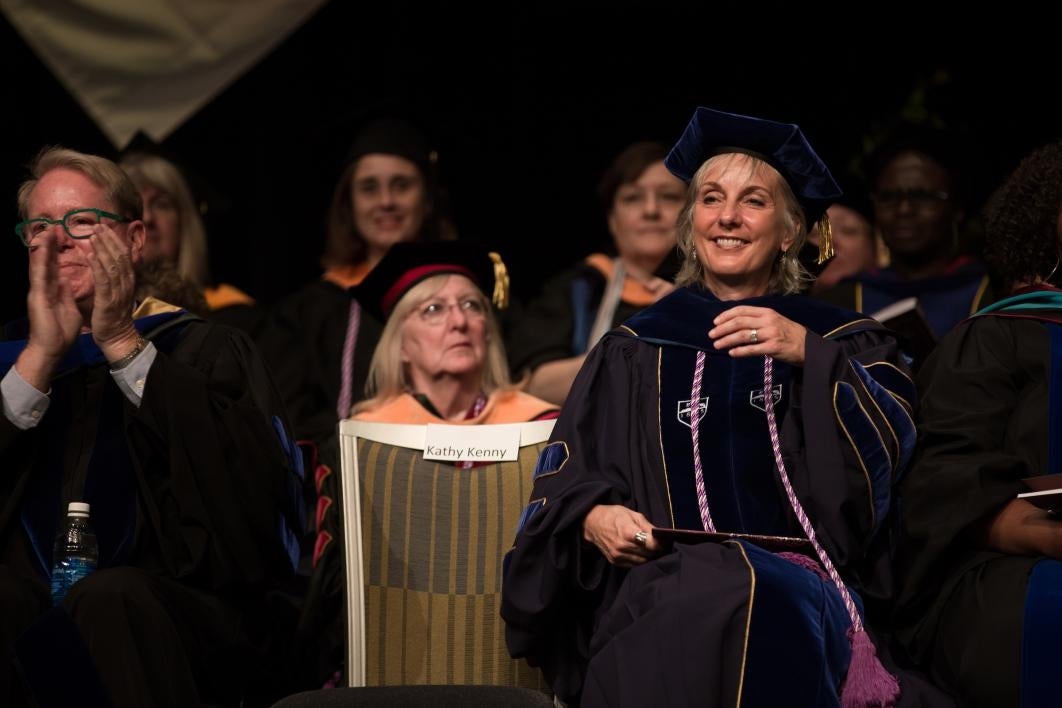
x=408, y=263
x=394, y=136
x=780, y=145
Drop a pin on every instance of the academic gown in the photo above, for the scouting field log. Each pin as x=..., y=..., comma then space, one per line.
x=557, y=323
x=303, y=345
x=945, y=300
x=228, y=305
x=194, y=500
x=713, y=624
x=991, y=416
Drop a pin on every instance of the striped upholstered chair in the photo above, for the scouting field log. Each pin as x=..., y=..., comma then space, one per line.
x=424, y=548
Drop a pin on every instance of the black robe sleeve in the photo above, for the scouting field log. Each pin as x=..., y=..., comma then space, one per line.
x=218, y=499
x=605, y=449
x=545, y=330
x=303, y=344
x=983, y=429
x=17, y=449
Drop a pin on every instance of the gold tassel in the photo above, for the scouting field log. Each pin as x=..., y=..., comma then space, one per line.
x=500, y=296
x=825, y=239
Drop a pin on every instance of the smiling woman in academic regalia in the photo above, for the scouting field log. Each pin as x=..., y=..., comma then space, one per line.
x=736, y=406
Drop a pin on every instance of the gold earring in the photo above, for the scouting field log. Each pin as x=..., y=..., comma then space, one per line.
x=826, y=251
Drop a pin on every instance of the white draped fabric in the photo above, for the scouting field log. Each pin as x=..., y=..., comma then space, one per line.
x=150, y=64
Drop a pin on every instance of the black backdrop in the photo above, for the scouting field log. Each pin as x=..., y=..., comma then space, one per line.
x=527, y=103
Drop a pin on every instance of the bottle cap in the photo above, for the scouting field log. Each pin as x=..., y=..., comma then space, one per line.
x=78, y=508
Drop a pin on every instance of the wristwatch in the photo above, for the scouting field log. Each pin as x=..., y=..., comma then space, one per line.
x=141, y=345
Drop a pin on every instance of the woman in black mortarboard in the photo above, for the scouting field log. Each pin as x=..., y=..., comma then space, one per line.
x=980, y=605
x=736, y=406
x=320, y=340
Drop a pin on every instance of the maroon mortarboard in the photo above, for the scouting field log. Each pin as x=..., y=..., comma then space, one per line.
x=407, y=264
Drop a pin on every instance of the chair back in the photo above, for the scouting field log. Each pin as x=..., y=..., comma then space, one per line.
x=424, y=547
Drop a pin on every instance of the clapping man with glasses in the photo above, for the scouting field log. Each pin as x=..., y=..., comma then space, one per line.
x=170, y=429
x=81, y=272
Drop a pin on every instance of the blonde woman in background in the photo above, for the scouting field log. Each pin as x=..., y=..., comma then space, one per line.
x=177, y=244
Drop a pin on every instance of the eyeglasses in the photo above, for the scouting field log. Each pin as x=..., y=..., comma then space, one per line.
x=434, y=312
x=78, y=223
x=916, y=198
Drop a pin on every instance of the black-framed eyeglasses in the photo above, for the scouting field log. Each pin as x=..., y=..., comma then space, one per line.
x=78, y=223
x=917, y=198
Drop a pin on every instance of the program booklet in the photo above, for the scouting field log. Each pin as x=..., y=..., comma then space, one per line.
x=775, y=544
x=1045, y=492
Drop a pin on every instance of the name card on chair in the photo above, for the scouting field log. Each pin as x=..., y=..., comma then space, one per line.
x=472, y=443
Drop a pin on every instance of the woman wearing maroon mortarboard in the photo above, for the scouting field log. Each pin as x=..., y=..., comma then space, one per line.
x=734, y=407
x=440, y=358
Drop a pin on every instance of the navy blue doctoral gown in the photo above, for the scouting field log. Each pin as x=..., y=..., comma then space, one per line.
x=711, y=624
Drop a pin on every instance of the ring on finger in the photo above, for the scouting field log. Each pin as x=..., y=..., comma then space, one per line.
x=641, y=537
x=753, y=336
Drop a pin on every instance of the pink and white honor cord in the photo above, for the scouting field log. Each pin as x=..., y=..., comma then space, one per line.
x=350, y=341
x=695, y=420
x=798, y=509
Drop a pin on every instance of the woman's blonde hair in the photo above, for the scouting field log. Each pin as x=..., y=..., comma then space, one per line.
x=389, y=376
x=788, y=276
x=146, y=169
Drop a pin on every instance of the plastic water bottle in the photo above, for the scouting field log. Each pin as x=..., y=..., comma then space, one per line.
x=76, y=551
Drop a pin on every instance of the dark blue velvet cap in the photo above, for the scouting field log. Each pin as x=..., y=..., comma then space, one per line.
x=781, y=145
